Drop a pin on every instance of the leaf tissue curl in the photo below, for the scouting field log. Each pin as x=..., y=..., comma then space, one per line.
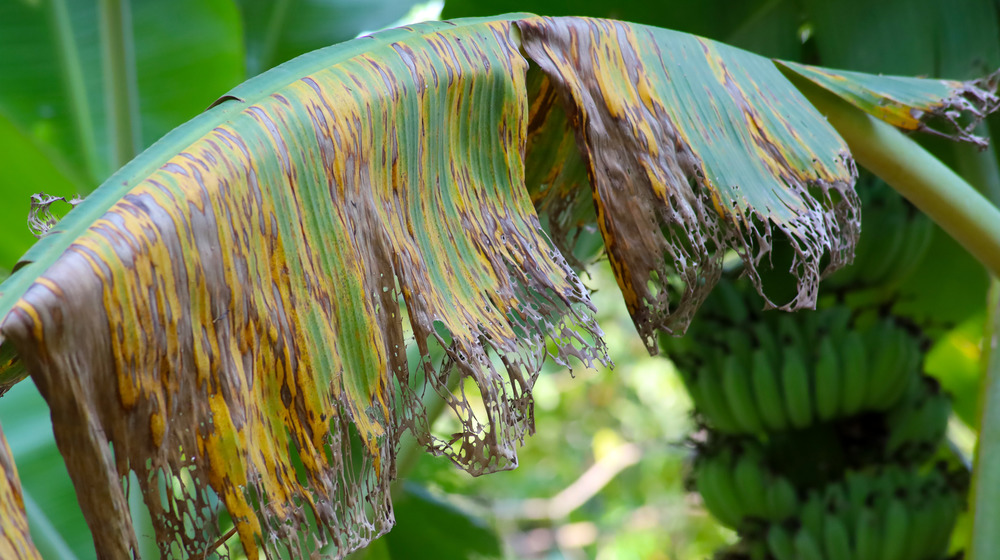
x=225, y=311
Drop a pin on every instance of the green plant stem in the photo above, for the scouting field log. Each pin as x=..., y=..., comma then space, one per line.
x=980, y=168
x=61, y=28
x=985, y=491
x=120, y=84
x=920, y=177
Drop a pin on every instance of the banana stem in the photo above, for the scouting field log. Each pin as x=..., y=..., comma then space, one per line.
x=920, y=177
x=984, y=497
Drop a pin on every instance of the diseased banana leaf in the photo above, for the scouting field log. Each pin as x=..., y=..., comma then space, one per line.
x=911, y=103
x=225, y=310
x=15, y=540
x=235, y=303
x=692, y=148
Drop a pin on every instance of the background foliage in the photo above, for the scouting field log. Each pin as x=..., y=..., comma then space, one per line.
x=603, y=476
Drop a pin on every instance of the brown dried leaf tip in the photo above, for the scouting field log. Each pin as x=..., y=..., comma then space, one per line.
x=40, y=216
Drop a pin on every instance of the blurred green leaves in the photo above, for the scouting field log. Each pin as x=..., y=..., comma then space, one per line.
x=428, y=523
x=279, y=30
x=53, y=123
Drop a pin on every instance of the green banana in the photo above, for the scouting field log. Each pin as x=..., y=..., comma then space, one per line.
x=796, y=390
x=867, y=537
x=828, y=381
x=854, y=371
x=836, y=539
x=921, y=530
x=837, y=321
x=876, y=272
x=858, y=489
x=896, y=529
x=767, y=392
x=740, y=396
x=918, y=239
x=909, y=367
x=806, y=547
x=766, y=341
x=811, y=515
x=693, y=388
x=934, y=419
x=716, y=408
x=780, y=542
x=916, y=232
x=782, y=499
x=739, y=344
x=944, y=509
x=717, y=494
x=732, y=303
x=887, y=362
x=751, y=484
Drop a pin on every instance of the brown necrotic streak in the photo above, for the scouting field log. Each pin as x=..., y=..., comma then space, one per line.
x=630, y=174
x=239, y=307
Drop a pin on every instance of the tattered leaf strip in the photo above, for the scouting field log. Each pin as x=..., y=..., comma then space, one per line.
x=235, y=313
x=694, y=147
x=15, y=538
x=911, y=103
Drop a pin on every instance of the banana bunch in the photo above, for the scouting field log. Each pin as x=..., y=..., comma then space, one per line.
x=818, y=425
x=737, y=486
x=895, y=514
x=894, y=239
x=789, y=376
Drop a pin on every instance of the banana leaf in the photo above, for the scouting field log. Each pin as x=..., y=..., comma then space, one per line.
x=15, y=540
x=945, y=107
x=227, y=311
